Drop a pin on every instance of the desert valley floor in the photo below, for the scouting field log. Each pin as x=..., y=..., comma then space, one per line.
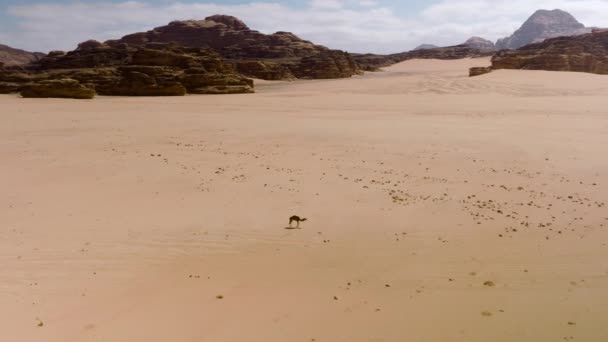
x=440, y=208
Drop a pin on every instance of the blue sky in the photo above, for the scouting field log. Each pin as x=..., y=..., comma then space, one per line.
x=380, y=26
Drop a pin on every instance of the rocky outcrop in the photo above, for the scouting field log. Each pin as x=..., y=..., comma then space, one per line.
x=142, y=81
x=325, y=65
x=10, y=56
x=583, y=53
x=120, y=69
x=477, y=71
x=62, y=88
x=480, y=44
x=280, y=55
x=198, y=81
x=372, y=62
x=542, y=25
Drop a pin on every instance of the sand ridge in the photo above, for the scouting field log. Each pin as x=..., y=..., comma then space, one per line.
x=440, y=207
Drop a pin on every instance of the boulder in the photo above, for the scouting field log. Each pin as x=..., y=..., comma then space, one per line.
x=62, y=88
x=477, y=71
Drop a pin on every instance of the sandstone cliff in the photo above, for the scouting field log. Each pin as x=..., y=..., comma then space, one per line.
x=275, y=56
x=583, y=53
x=150, y=69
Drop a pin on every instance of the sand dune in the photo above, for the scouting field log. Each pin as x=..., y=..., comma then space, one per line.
x=440, y=207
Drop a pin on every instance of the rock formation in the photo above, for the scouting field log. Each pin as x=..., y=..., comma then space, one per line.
x=276, y=56
x=151, y=69
x=583, y=53
x=63, y=88
x=211, y=56
x=477, y=71
x=542, y=25
x=480, y=44
x=10, y=56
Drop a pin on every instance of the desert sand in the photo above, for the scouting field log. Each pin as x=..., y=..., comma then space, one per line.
x=440, y=208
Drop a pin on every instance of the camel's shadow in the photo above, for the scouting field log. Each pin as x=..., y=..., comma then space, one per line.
x=293, y=228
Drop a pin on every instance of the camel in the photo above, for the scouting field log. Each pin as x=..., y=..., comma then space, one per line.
x=297, y=219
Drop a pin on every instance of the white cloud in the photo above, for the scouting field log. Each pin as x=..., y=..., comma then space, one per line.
x=326, y=4
x=368, y=3
x=352, y=25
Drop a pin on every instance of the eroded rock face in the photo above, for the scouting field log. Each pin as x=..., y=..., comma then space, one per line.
x=62, y=88
x=325, y=65
x=542, y=25
x=265, y=70
x=152, y=69
x=583, y=53
x=143, y=81
x=10, y=56
x=90, y=54
x=241, y=46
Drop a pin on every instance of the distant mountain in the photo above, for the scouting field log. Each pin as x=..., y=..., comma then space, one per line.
x=10, y=56
x=480, y=44
x=371, y=62
x=542, y=25
x=425, y=47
